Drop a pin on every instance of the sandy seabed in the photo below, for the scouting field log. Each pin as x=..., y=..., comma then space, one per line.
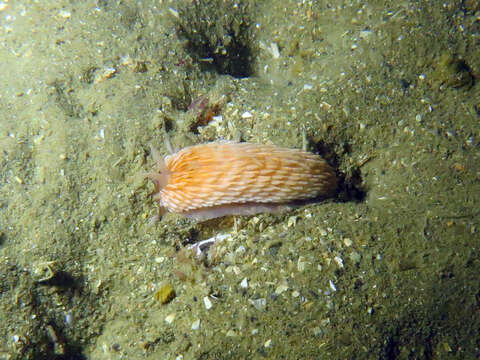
x=385, y=91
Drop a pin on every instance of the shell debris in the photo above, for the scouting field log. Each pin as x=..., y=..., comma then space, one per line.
x=207, y=302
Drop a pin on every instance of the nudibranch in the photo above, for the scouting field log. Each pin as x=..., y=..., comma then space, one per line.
x=227, y=178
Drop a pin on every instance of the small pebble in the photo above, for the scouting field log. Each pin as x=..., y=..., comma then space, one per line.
x=165, y=294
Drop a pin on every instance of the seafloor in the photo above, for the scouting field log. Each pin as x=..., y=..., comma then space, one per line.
x=386, y=91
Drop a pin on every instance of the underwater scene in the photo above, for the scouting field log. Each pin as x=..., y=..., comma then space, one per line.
x=213, y=180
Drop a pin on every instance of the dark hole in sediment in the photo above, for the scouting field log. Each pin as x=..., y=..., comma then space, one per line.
x=218, y=36
x=350, y=185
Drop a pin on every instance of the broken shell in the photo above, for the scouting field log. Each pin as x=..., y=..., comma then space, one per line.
x=44, y=271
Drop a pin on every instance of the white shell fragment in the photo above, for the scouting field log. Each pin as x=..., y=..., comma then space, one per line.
x=174, y=12
x=274, y=50
x=207, y=302
x=170, y=318
x=202, y=246
x=196, y=324
x=259, y=304
x=247, y=115
x=244, y=283
x=281, y=288
x=332, y=285
x=339, y=261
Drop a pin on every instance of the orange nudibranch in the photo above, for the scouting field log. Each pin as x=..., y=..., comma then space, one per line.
x=227, y=178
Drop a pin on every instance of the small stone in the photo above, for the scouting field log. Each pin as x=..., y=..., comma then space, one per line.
x=165, y=294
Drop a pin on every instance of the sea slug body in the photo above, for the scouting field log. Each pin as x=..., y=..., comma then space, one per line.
x=227, y=178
